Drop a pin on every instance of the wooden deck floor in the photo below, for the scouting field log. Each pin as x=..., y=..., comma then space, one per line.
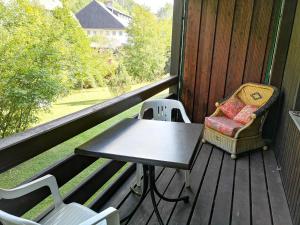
x=247, y=191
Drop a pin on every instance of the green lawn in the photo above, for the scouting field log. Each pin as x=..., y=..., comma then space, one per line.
x=74, y=102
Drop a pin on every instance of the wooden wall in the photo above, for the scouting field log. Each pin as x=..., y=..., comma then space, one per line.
x=227, y=43
x=287, y=145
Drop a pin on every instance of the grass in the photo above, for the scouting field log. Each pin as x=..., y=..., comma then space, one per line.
x=72, y=103
x=77, y=100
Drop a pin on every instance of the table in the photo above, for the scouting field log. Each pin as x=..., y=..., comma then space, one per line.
x=151, y=143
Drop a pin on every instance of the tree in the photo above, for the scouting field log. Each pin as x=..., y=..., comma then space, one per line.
x=166, y=12
x=122, y=5
x=148, y=45
x=119, y=82
x=42, y=54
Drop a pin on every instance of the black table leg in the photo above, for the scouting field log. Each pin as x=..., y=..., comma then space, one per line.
x=145, y=187
x=152, y=190
x=149, y=176
x=152, y=176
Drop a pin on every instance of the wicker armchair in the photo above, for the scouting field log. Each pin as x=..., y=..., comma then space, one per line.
x=249, y=136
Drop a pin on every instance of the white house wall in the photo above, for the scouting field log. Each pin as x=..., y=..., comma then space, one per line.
x=116, y=38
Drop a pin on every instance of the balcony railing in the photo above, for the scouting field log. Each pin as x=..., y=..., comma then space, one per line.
x=21, y=147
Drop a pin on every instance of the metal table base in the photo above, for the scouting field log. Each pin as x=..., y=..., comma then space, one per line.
x=149, y=178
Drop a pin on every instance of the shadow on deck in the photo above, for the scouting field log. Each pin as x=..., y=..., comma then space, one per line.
x=223, y=191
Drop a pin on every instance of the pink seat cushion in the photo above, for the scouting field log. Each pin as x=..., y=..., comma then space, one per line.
x=244, y=116
x=232, y=107
x=223, y=124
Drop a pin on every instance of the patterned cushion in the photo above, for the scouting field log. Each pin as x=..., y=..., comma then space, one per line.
x=223, y=124
x=244, y=116
x=232, y=107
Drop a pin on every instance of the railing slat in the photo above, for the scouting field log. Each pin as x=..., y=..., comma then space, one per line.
x=63, y=174
x=94, y=182
x=21, y=147
x=61, y=169
x=101, y=200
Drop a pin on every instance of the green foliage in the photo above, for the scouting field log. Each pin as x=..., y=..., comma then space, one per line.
x=166, y=12
x=124, y=6
x=76, y=5
x=149, y=45
x=119, y=82
x=42, y=54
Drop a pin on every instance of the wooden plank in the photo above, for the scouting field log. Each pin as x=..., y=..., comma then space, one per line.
x=241, y=212
x=206, y=197
x=222, y=207
x=258, y=40
x=190, y=54
x=279, y=206
x=239, y=43
x=93, y=182
x=61, y=171
x=182, y=212
x=21, y=147
x=259, y=195
x=221, y=52
x=144, y=212
x=205, y=58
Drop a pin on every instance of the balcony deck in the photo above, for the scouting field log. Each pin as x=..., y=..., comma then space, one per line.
x=223, y=191
x=245, y=191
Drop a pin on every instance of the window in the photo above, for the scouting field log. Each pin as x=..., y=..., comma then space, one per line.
x=114, y=39
x=69, y=93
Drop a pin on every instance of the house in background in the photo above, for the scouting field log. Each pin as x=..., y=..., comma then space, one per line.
x=50, y=4
x=102, y=21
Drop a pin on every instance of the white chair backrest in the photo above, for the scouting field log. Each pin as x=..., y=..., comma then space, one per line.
x=162, y=109
x=8, y=219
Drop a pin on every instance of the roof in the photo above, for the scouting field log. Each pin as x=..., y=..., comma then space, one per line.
x=117, y=12
x=96, y=16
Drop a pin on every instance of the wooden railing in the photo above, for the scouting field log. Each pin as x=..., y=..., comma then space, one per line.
x=21, y=147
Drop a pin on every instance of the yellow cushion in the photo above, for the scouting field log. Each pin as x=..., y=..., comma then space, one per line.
x=257, y=95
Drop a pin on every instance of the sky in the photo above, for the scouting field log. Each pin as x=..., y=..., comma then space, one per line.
x=154, y=5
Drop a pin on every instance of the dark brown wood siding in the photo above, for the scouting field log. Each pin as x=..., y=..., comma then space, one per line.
x=227, y=43
x=287, y=145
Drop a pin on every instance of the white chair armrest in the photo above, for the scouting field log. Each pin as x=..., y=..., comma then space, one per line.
x=185, y=117
x=183, y=113
x=111, y=215
x=24, y=189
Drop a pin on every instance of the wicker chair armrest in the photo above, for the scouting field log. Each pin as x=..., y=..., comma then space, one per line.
x=241, y=130
x=255, y=124
x=262, y=110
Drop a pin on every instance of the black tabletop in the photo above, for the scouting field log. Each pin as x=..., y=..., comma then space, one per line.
x=158, y=143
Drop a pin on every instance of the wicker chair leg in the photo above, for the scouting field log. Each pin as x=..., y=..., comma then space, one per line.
x=233, y=156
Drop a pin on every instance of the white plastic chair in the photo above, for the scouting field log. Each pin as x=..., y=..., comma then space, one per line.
x=162, y=110
x=63, y=214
